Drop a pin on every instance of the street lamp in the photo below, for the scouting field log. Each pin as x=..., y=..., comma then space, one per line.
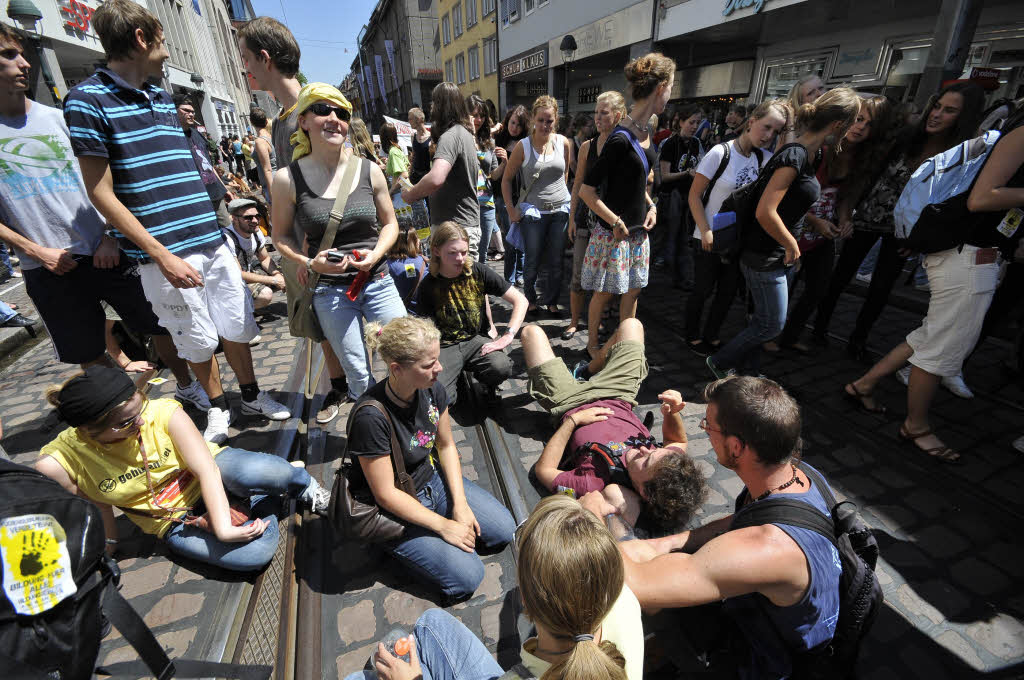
x=568, y=50
x=27, y=14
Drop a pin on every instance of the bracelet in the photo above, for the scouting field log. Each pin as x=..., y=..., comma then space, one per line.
x=309, y=265
x=111, y=541
x=574, y=425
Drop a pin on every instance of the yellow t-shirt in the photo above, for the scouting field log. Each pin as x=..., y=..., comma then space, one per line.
x=113, y=473
x=622, y=626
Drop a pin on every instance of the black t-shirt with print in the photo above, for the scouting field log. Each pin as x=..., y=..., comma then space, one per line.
x=760, y=249
x=415, y=426
x=457, y=305
x=681, y=155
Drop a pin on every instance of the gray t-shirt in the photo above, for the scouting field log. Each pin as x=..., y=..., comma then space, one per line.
x=456, y=199
x=42, y=195
x=280, y=132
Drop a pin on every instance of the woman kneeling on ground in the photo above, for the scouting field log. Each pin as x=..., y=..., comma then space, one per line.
x=147, y=458
x=449, y=514
x=586, y=627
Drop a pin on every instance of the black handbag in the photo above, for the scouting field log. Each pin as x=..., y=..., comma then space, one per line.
x=743, y=202
x=355, y=514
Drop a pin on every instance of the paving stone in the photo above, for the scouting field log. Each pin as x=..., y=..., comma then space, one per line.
x=959, y=646
x=174, y=607
x=924, y=662
x=913, y=603
x=490, y=622
x=927, y=502
x=491, y=587
x=146, y=580
x=1002, y=636
x=404, y=608
x=357, y=623
x=470, y=473
x=184, y=575
x=529, y=445
x=353, y=661
x=894, y=518
x=732, y=486
x=978, y=576
x=940, y=542
x=175, y=643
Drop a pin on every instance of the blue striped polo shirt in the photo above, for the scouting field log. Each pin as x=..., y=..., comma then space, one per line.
x=154, y=173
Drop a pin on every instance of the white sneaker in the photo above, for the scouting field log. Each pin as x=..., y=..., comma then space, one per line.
x=318, y=497
x=864, y=278
x=263, y=405
x=193, y=394
x=255, y=341
x=956, y=385
x=217, y=422
x=903, y=375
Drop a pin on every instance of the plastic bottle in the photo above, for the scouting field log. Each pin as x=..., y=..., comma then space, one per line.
x=398, y=643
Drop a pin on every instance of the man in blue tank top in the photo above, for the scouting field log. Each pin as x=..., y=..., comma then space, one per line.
x=778, y=584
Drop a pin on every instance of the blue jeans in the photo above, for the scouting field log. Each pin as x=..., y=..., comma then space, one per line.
x=5, y=261
x=487, y=225
x=6, y=312
x=440, y=564
x=770, y=293
x=260, y=477
x=867, y=267
x=545, y=240
x=515, y=260
x=446, y=650
x=342, y=322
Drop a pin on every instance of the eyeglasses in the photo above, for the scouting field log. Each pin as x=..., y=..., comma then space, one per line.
x=704, y=426
x=129, y=422
x=250, y=218
x=325, y=109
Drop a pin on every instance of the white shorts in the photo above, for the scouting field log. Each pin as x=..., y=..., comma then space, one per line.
x=961, y=292
x=197, y=317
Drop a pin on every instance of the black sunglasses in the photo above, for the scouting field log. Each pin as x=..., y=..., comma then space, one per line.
x=324, y=109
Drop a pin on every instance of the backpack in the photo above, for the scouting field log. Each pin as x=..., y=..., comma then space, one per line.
x=860, y=594
x=931, y=214
x=706, y=194
x=59, y=587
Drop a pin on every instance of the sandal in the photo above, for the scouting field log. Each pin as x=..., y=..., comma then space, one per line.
x=858, y=398
x=943, y=454
x=569, y=333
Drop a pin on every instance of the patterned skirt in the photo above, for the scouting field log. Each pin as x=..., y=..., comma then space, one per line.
x=612, y=266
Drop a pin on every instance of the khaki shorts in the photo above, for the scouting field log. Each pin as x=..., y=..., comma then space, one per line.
x=554, y=388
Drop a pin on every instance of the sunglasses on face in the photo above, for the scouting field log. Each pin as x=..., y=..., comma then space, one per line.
x=325, y=109
x=250, y=218
x=129, y=422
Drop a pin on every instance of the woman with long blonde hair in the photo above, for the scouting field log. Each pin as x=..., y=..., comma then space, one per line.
x=588, y=628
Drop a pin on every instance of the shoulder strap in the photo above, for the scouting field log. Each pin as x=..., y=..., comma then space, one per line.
x=635, y=143
x=726, y=155
x=785, y=511
x=402, y=479
x=760, y=157
x=338, y=211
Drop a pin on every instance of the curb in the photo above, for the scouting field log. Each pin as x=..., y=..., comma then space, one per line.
x=13, y=338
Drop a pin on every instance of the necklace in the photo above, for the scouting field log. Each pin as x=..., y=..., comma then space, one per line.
x=645, y=128
x=401, y=402
x=795, y=480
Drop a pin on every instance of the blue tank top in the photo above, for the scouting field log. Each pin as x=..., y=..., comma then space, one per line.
x=772, y=632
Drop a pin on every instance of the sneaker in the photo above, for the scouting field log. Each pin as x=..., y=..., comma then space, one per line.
x=263, y=405
x=331, y=406
x=956, y=385
x=716, y=371
x=255, y=341
x=318, y=497
x=864, y=278
x=903, y=375
x=581, y=371
x=217, y=422
x=193, y=394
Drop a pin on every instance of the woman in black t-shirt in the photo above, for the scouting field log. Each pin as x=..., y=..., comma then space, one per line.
x=788, y=187
x=619, y=252
x=449, y=514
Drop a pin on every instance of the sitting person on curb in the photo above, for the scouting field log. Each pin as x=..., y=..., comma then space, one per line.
x=586, y=628
x=454, y=295
x=778, y=584
x=449, y=516
x=608, y=444
x=148, y=459
x=249, y=246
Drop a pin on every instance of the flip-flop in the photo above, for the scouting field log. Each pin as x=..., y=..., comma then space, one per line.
x=858, y=398
x=943, y=454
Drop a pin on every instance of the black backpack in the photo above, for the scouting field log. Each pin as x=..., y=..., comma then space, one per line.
x=58, y=585
x=860, y=594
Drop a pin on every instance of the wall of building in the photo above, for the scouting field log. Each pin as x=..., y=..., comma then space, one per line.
x=485, y=82
x=548, y=21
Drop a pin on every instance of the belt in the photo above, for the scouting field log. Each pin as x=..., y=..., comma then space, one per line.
x=986, y=255
x=551, y=207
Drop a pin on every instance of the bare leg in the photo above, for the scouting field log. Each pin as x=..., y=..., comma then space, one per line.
x=168, y=353
x=576, y=302
x=208, y=375
x=920, y=393
x=629, y=329
x=239, y=357
x=627, y=304
x=887, y=365
x=536, y=346
x=597, y=304
x=265, y=297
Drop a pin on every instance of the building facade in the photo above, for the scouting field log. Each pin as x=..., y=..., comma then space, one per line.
x=469, y=46
x=397, y=65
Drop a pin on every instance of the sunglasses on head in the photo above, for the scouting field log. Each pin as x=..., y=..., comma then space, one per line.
x=324, y=109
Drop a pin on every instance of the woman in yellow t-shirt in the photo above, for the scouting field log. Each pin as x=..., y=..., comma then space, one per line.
x=149, y=459
x=572, y=586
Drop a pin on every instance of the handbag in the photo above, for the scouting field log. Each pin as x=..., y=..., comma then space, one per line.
x=302, y=321
x=356, y=515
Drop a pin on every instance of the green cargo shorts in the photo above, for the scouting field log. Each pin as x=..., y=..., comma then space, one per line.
x=554, y=388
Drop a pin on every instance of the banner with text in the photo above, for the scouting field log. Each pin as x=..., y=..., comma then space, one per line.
x=369, y=85
x=380, y=79
x=362, y=94
x=389, y=46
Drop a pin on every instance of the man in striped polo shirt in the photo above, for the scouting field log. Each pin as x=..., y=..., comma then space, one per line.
x=140, y=175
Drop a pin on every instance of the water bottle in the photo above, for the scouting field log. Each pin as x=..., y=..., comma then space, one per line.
x=398, y=643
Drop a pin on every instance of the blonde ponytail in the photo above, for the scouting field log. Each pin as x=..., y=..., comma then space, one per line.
x=589, y=661
x=403, y=340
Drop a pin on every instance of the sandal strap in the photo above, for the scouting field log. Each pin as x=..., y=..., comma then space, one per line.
x=912, y=436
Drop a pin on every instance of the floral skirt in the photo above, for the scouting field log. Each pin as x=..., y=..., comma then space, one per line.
x=612, y=266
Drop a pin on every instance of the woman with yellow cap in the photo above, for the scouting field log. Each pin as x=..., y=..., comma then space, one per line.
x=304, y=193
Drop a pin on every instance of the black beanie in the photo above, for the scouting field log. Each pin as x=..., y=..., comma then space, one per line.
x=87, y=397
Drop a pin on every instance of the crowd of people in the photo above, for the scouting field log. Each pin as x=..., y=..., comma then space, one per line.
x=381, y=254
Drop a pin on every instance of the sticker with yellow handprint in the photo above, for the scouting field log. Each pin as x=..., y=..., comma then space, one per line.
x=36, y=563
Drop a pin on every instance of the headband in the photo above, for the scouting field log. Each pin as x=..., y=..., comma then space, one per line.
x=85, y=398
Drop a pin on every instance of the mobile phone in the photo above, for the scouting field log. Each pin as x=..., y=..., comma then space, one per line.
x=335, y=255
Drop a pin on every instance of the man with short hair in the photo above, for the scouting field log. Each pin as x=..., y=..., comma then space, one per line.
x=778, y=583
x=249, y=246
x=606, y=447
x=71, y=267
x=140, y=175
x=271, y=56
x=219, y=194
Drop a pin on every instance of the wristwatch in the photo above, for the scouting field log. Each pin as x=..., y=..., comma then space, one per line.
x=309, y=266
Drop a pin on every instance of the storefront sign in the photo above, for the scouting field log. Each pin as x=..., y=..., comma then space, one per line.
x=856, y=59
x=588, y=95
x=988, y=78
x=76, y=15
x=530, y=62
x=429, y=73
x=625, y=27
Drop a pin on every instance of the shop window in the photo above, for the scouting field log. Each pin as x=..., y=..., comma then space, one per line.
x=780, y=78
x=490, y=56
x=473, y=55
x=460, y=69
x=488, y=7
x=509, y=11
x=446, y=32
x=457, y=20
x=470, y=13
